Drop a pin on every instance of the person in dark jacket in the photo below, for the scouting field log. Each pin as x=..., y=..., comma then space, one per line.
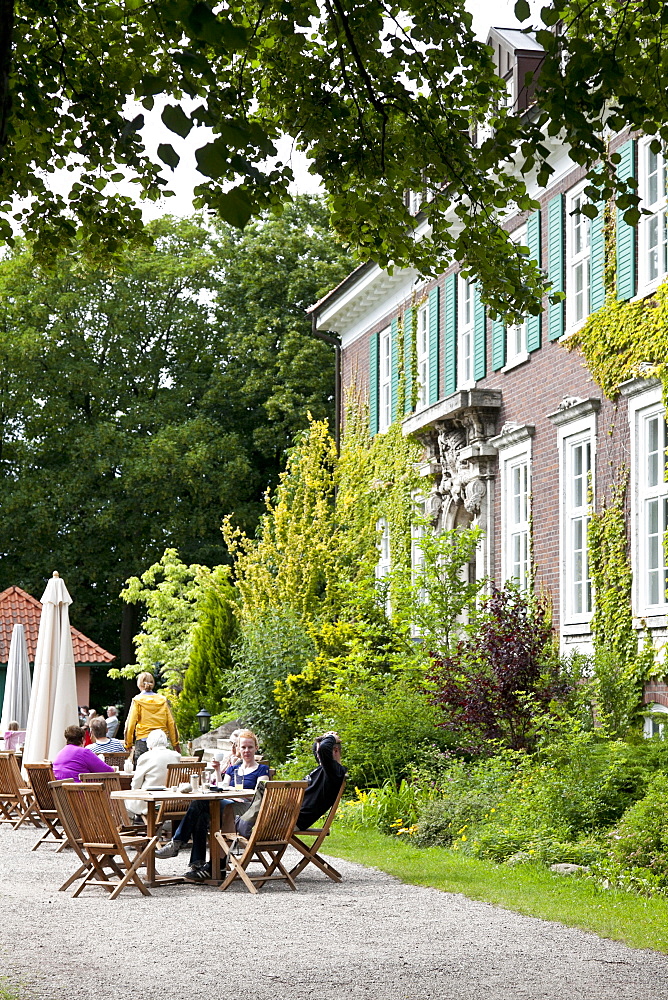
x=324, y=783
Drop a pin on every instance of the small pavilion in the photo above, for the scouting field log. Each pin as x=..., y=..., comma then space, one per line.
x=20, y=608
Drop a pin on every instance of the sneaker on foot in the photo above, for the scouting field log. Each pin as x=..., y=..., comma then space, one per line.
x=170, y=850
x=196, y=873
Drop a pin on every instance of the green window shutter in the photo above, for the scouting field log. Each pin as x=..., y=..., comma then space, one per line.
x=374, y=361
x=479, y=336
x=498, y=344
x=434, y=301
x=556, y=311
x=534, y=324
x=395, y=369
x=626, y=235
x=409, y=357
x=597, y=280
x=450, y=333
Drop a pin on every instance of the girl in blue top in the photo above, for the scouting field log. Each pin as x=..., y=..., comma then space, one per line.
x=248, y=771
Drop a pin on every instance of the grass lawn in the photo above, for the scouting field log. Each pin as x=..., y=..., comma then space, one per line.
x=623, y=916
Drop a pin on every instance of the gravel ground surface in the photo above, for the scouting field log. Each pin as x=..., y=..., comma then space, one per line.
x=371, y=937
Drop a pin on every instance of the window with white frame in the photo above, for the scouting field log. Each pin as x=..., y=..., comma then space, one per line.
x=385, y=382
x=516, y=334
x=578, y=470
x=422, y=338
x=653, y=508
x=518, y=557
x=514, y=447
x=656, y=723
x=465, y=339
x=653, y=227
x=578, y=258
x=383, y=565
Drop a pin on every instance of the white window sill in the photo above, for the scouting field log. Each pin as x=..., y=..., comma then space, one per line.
x=645, y=291
x=654, y=618
x=519, y=359
x=463, y=386
x=572, y=328
x=575, y=627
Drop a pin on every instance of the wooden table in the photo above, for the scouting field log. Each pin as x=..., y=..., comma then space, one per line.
x=215, y=799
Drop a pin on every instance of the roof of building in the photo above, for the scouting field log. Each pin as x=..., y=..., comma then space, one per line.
x=19, y=608
x=518, y=39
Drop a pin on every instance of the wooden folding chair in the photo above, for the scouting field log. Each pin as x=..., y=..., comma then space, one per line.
x=112, y=783
x=71, y=831
x=175, y=809
x=116, y=758
x=270, y=836
x=39, y=776
x=18, y=799
x=310, y=851
x=103, y=842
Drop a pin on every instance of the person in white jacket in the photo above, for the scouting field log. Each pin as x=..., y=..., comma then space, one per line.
x=151, y=768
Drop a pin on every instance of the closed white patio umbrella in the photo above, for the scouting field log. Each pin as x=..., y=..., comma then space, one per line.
x=53, y=703
x=17, y=684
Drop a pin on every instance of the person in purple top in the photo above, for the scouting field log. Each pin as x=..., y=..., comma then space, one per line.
x=75, y=759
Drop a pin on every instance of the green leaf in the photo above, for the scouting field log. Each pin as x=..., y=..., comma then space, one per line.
x=168, y=155
x=176, y=120
x=522, y=10
x=213, y=160
x=549, y=16
x=235, y=207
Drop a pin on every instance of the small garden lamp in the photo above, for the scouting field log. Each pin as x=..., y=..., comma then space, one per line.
x=203, y=718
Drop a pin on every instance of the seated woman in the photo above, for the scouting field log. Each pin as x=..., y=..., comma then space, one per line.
x=151, y=768
x=195, y=823
x=75, y=759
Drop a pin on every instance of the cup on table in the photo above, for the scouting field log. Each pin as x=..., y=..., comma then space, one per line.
x=194, y=782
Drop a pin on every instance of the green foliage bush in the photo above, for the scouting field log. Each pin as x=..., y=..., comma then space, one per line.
x=639, y=845
x=271, y=646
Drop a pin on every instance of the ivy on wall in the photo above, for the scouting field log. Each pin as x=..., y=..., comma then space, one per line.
x=612, y=579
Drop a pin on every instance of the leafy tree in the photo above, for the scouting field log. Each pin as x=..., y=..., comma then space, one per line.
x=499, y=678
x=207, y=680
x=136, y=410
x=380, y=95
x=172, y=593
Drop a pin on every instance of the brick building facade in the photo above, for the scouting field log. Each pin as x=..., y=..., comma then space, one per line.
x=514, y=427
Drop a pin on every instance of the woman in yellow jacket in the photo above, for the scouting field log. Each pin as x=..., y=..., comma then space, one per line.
x=149, y=710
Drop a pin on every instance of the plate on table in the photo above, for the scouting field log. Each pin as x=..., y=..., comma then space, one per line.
x=156, y=788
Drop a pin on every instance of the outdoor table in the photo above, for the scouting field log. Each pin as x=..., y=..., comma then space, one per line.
x=156, y=797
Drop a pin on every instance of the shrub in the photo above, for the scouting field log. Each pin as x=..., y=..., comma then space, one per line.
x=496, y=682
x=389, y=808
x=640, y=843
x=270, y=647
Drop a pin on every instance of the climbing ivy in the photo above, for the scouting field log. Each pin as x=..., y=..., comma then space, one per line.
x=612, y=579
x=626, y=339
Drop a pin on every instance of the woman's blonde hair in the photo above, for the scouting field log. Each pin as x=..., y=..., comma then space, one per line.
x=246, y=734
x=146, y=681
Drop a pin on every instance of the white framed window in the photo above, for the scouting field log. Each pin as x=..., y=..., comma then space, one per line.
x=518, y=522
x=653, y=241
x=656, y=724
x=465, y=336
x=653, y=508
x=578, y=469
x=514, y=446
x=578, y=259
x=385, y=382
x=516, y=334
x=422, y=338
x=576, y=442
x=384, y=563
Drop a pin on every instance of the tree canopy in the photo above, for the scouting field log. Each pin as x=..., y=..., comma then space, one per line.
x=139, y=406
x=381, y=96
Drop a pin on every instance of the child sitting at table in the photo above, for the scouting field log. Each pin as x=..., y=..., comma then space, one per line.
x=195, y=823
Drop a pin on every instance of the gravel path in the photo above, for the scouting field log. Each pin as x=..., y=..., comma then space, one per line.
x=369, y=938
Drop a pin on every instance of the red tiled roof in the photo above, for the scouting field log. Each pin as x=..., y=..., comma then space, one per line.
x=18, y=607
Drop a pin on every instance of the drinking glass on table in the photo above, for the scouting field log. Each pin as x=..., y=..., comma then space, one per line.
x=238, y=779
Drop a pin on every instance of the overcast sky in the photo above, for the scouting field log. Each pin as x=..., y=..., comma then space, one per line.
x=486, y=13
